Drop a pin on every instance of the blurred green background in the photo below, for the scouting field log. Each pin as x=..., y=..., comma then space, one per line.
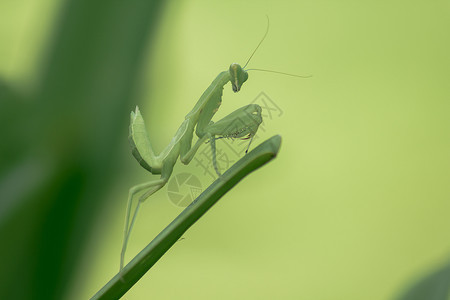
x=356, y=206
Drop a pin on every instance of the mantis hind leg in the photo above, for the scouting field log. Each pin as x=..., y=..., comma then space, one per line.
x=150, y=188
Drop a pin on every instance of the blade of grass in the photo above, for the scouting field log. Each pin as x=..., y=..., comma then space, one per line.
x=132, y=272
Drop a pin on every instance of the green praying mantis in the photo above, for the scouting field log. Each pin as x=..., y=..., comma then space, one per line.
x=242, y=123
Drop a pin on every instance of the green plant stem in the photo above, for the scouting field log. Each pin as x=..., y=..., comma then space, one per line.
x=134, y=270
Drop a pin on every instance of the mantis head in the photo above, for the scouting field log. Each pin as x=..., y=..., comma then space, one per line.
x=237, y=76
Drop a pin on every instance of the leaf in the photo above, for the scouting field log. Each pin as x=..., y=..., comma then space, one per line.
x=435, y=286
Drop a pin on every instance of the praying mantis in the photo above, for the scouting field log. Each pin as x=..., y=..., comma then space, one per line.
x=242, y=123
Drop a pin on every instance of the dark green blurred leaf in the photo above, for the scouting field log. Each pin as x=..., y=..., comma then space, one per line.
x=435, y=286
x=61, y=146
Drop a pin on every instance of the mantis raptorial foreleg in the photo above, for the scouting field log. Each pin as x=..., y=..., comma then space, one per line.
x=238, y=124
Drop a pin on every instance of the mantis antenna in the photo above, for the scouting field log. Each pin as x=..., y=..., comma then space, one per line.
x=260, y=42
x=294, y=75
x=264, y=70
